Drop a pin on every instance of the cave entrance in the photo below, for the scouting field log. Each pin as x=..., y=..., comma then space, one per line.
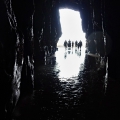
x=70, y=61
x=71, y=26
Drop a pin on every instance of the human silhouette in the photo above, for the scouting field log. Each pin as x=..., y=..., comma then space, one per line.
x=69, y=43
x=80, y=44
x=72, y=44
x=76, y=43
x=65, y=44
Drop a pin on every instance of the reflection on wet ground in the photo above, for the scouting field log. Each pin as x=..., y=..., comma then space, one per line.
x=68, y=86
x=69, y=62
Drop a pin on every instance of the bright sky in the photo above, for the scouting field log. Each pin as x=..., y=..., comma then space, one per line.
x=71, y=26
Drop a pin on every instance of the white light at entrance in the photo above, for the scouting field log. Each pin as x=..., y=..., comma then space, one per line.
x=71, y=26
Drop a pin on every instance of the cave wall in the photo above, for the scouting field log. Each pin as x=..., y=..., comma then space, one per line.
x=24, y=17
x=16, y=51
x=7, y=56
x=47, y=28
x=112, y=28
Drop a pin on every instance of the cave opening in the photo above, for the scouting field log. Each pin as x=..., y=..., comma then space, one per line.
x=72, y=58
x=71, y=26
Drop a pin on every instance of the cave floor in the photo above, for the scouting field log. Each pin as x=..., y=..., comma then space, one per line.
x=69, y=86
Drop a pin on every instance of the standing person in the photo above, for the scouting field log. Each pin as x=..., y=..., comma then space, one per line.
x=65, y=44
x=80, y=44
x=69, y=43
x=72, y=44
x=76, y=43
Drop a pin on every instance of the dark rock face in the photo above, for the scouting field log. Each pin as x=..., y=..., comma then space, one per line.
x=16, y=53
x=28, y=25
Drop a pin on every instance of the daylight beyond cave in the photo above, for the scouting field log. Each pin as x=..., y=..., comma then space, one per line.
x=71, y=26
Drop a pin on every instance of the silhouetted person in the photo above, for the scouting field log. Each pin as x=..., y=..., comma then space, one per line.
x=65, y=44
x=76, y=43
x=80, y=44
x=72, y=44
x=69, y=43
